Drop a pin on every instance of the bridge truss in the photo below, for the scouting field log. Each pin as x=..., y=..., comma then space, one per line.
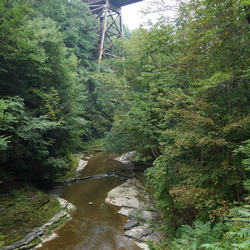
x=108, y=25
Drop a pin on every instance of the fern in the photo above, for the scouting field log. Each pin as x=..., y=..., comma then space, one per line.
x=241, y=214
x=4, y=142
x=245, y=149
x=214, y=246
x=243, y=245
x=192, y=238
x=238, y=235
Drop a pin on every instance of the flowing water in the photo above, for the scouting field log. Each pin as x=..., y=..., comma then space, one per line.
x=95, y=225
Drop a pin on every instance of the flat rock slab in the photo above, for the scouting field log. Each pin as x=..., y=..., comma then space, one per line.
x=135, y=203
x=130, y=194
x=128, y=211
x=142, y=233
x=148, y=215
x=139, y=232
x=66, y=205
x=142, y=245
x=131, y=224
x=124, y=195
x=133, y=212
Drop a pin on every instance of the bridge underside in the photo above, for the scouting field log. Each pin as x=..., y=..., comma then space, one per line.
x=119, y=3
x=108, y=25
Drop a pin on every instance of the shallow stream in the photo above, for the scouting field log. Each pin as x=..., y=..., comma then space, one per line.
x=95, y=225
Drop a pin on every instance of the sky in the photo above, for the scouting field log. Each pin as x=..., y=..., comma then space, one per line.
x=133, y=18
x=131, y=15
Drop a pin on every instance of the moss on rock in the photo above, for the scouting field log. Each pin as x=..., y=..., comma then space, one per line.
x=22, y=210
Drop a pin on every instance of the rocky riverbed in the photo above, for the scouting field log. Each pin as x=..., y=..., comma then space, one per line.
x=139, y=207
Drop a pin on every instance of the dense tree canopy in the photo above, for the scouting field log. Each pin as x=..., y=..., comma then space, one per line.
x=49, y=96
x=181, y=99
x=188, y=111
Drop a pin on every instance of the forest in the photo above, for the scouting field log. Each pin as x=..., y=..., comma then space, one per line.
x=180, y=99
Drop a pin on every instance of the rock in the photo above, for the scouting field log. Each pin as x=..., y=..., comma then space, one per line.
x=123, y=195
x=128, y=211
x=66, y=205
x=135, y=232
x=88, y=157
x=147, y=231
x=148, y=215
x=81, y=165
x=39, y=231
x=142, y=233
x=133, y=174
x=45, y=238
x=126, y=158
x=135, y=202
x=131, y=224
x=142, y=245
x=128, y=195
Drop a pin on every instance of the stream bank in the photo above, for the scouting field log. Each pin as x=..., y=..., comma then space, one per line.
x=28, y=213
x=98, y=221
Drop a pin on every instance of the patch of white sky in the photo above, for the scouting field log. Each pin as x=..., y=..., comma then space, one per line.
x=133, y=17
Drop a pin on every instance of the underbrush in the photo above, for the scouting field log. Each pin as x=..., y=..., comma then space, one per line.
x=232, y=232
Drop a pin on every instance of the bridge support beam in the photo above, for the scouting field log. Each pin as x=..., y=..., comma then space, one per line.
x=108, y=26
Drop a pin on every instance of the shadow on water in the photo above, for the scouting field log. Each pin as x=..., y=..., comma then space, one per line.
x=94, y=224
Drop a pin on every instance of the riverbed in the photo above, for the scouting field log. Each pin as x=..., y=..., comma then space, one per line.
x=94, y=224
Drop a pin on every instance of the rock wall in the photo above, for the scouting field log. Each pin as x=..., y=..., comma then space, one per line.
x=38, y=233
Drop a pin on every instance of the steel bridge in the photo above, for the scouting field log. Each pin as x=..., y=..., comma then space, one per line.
x=108, y=25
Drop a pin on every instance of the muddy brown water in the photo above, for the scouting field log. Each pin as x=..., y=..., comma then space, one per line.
x=95, y=225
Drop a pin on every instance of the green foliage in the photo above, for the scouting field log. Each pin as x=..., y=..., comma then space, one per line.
x=10, y=109
x=245, y=150
x=192, y=238
x=106, y=97
x=118, y=142
x=234, y=233
x=182, y=102
x=75, y=26
x=43, y=85
x=187, y=108
x=238, y=231
x=57, y=166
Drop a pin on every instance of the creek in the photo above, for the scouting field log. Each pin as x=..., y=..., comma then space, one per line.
x=95, y=225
